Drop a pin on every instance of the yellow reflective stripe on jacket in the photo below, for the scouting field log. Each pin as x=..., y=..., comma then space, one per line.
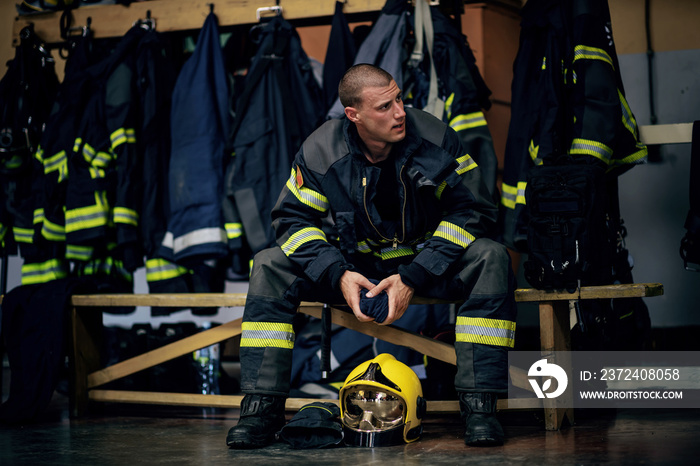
x=533, y=150
x=267, y=334
x=39, y=215
x=485, y=331
x=454, y=234
x=39, y=155
x=86, y=217
x=23, y=235
x=468, y=121
x=52, y=231
x=448, y=105
x=393, y=253
x=307, y=196
x=466, y=163
x=440, y=189
x=627, y=116
x=363, y=247
x=593, y=148
x=78, y=252
x=512, y=195
x=161, y=269
x=125, y=216
x=583, y=52
x=59, y=163
x=641, y=152
x=300, y=237
x=93, y=216
x=233, y=230
x=96, y=159
x=107, y=266
x=43, y=272
x=121, y=136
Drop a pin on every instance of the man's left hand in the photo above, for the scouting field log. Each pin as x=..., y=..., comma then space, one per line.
x=399, y=295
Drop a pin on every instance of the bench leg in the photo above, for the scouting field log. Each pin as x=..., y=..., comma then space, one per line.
x=84, y=355
x=555, y=332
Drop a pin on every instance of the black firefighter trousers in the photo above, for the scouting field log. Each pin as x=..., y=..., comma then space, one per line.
x=482, y=280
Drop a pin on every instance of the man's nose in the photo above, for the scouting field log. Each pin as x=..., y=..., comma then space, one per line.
x=399, y=111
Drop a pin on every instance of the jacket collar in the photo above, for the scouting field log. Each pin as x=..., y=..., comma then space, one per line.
x=404, y=149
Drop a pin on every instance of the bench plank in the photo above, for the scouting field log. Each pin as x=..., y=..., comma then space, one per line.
x=632, y=290
x=428, y=346
x=629, y=290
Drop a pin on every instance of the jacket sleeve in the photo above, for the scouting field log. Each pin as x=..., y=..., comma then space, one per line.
x=297, y=219
x=469, y=213
x=120, y=123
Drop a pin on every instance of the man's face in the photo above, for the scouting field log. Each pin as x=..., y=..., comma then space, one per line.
x=381, y=117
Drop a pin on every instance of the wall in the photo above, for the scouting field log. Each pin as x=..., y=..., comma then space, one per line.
x=654, y=197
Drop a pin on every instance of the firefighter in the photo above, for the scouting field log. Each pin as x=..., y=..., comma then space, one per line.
x=408, y=208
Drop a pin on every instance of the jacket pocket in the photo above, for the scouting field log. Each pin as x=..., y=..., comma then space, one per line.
x=345, y=225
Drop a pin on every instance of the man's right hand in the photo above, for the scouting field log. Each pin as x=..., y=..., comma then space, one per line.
x=351, y=284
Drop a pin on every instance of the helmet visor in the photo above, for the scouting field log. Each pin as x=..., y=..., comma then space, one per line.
x=370, y=409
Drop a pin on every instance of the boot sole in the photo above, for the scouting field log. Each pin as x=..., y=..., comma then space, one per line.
x=483, y=442
x=247, y=442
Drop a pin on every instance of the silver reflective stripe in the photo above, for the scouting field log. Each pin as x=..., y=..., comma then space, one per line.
x=199, y=237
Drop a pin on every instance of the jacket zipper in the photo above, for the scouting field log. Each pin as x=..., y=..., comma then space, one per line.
x=395, y=241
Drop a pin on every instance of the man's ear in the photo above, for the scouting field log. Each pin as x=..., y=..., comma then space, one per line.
x=352, y=114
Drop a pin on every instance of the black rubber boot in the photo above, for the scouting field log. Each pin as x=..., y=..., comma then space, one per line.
x=262, y=417
x=479, y=415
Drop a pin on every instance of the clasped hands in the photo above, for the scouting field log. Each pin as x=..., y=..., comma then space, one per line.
x=399, y=294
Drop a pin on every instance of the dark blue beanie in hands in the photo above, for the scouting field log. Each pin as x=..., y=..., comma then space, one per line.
x=377, y=307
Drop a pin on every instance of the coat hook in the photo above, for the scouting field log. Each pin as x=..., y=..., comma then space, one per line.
x=211, y=7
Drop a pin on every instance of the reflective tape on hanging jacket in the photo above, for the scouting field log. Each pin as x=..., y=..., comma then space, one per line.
x=512, y=196
x=466, y=163
x=44, y=272
x=592, y=148
x=234, y=230
x=160, y=269
x=468, y=121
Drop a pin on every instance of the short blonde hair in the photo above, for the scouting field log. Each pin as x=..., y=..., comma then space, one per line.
x=356, y=79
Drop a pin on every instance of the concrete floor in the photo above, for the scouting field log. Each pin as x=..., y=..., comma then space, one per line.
x=129, y=434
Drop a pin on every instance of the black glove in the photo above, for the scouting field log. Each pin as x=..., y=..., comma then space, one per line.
x=315, y=425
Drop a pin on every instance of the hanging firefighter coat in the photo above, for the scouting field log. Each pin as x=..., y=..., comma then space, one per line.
x=201, y=122
x=567, y=99
x=464, y=92
x=280, y=105
x=383, y=46
x=27, y=93
x=339, y=56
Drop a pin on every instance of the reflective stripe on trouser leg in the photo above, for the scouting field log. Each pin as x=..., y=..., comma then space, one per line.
x=485, y=326
x=267, y=340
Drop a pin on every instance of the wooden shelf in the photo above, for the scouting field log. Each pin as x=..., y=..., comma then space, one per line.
x=181, y=15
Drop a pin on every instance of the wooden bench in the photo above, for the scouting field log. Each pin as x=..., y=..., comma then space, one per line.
x=86, y=325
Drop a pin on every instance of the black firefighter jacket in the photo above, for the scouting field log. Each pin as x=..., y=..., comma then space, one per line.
x=445, y=203
x=568, y=101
